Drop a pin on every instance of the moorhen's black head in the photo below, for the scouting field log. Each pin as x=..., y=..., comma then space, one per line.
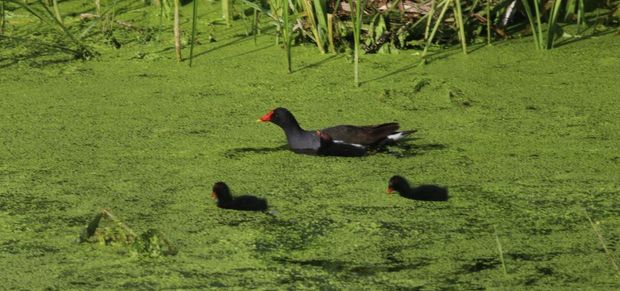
x=280, y=116
x=221, y=193
x=397, y=183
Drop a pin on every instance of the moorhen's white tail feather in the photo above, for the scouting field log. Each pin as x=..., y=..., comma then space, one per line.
x=400, y=134
x=351, y=144
x=331, y=147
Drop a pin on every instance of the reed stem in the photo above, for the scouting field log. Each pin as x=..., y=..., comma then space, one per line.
x=428, y=19
x=530, y=18
x=601, y=240
x=459, y=21
x=499, y=249
x=357, y=30
x=227, y=11
x=539, y=24
x=287, y=34
x=2, y=17
x=255, y=26
x=580, y=16
x=57, y=11
x=488, y=12
x=177, y=31
x=330, y=32
x=555, y=11
x=446, y=3
x=191, y=45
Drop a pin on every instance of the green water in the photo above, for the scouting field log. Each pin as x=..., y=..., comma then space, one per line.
x=525, y=141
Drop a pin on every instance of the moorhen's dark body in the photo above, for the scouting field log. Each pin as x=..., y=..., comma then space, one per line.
x=329, y=147
x=221, y=193
x=337, y=138
x=422, y=192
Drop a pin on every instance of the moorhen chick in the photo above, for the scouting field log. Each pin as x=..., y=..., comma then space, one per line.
x=300, y=140
x=221, y=194
x=422, y=192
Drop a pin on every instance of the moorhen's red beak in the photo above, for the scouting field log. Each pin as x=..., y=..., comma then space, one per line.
x=266, y=117
x=389, y=190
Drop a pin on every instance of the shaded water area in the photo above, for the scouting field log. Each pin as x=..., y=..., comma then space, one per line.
x=526, y=142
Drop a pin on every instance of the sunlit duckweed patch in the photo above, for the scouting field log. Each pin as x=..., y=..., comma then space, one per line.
x=527, y=144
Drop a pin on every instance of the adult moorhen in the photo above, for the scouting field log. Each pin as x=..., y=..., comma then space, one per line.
x=300, y=140
x=221, y=194
x=422, y=192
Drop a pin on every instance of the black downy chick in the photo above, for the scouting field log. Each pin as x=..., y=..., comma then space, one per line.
x=422, y=192
x=221, y=194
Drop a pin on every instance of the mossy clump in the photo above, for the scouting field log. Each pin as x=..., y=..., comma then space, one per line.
x=153, y=244
x=106, y=229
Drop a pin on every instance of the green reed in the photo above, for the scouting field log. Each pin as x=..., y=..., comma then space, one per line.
x=2, y=15
x=317, y=21
x=488, y=14
x=601, y=240
x=57, y=10
x=177, y=31
x=356, y=17
x=445, y=4
x=286, y=34
x=191, y=45
x=429, y=19
x=580, y=16
x=552, y=29
x=500, y=250
x=534, y=23
x=461, y=25
x=48, y=17
x=227, y=11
